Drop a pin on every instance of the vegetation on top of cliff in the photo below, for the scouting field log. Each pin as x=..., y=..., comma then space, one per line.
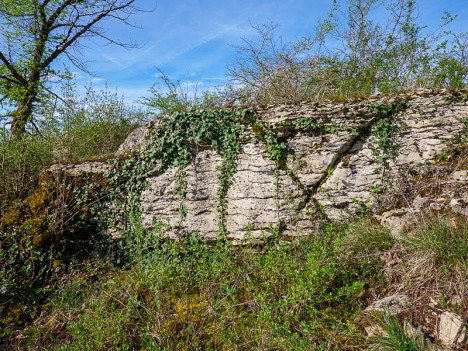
x=352, y=52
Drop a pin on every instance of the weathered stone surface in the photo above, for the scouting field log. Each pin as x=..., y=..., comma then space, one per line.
x=460, y=176
x=450, y=193
x=397, y=220
x=332, y=170
x=426, y=126
x=197, y=212
x=253, y=204
x=394, y=304
x=451, y=329
x=351, y=184
x=135, y=142
x=460, y=206
x=75, y=170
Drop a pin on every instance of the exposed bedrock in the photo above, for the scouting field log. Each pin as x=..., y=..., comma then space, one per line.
x=339, y=167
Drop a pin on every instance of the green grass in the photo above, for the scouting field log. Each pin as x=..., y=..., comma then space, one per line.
x=443, y=245
x=367, y=238
x=288, y=296
x=308, y=294
x=396, y=337
x=436, y=255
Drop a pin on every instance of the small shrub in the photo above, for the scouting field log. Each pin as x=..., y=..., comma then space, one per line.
x=93, y=125
x=21, y=160
x=169, y=96
x=40, y=238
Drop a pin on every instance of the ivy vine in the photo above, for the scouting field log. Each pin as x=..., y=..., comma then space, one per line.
x=384, y=131
x=174, y=141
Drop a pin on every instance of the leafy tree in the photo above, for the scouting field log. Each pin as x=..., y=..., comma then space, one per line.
x=34, y=33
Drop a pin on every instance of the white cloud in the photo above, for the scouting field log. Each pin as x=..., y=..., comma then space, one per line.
x=95, y=80
x=119, y=61
x=189, y=84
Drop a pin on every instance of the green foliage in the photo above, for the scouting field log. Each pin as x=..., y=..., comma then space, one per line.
x=173, y=96
x=40, y=237
x=397, y=337
x=311, y=125
x=172, y=143
x=276, y=145
x=384, y=131
x=308, y=124
x=366, y=238
x=189, y=295
x=46, y=223
x=21, y=160
x=72, y=129
x=84, y=126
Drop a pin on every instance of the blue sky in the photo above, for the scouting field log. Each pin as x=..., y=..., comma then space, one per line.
x=192, y=40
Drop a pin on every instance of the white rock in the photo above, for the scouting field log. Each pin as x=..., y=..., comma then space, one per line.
x=460, y=206
x=394, y=304
x=449, y=327
x=337, y=172
x=460, y=176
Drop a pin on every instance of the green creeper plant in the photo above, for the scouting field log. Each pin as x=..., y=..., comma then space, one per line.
x=175, y=140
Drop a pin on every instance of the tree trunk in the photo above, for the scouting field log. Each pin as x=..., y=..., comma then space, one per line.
x=23, y=113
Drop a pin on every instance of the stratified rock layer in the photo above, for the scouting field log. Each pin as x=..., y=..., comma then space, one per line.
x=333, y=170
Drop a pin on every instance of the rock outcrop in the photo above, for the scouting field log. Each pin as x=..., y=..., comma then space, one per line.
x=344, y=158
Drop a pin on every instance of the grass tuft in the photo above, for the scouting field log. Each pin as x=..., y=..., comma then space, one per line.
x=397, y=336
x=366, y=237
x=436, y=255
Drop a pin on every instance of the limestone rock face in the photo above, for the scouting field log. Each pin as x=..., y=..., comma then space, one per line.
x=135, y=142
x=197, y=212
x=342, y=159
x=75, y=170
